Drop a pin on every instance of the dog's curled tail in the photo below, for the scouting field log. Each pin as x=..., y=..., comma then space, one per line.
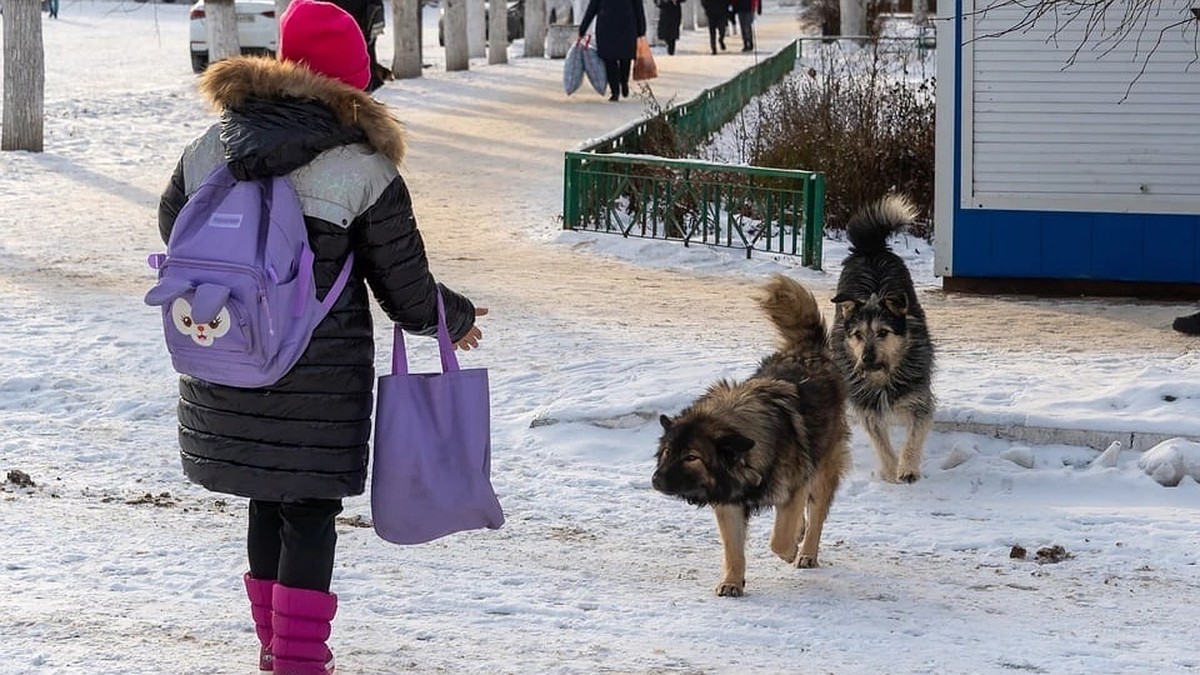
x=869, y=228
x=793, y=310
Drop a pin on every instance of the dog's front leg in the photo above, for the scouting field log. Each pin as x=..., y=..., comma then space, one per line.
x=910, y=456
x=877, y=428
x=789, y=526
x=820, y=496
x=731, y=522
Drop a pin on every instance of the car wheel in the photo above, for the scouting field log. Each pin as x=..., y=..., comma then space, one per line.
x=199, y=61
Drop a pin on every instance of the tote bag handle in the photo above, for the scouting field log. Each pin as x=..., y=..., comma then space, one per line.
x=445, y=347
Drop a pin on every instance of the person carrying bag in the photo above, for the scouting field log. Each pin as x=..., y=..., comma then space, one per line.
x=619, y=23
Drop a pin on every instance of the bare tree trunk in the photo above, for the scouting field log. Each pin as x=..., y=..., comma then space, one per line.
x=220, y=19
x=281, y=7
x=406, y=39
x=535, y=27
x=497, y=31
x=24, y=76
x=854, y=17
x=920, y=12
x=454, y=31
x=476, y=28
x=651, y=11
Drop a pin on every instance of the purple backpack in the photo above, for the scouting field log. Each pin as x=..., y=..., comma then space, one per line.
x=236, y=284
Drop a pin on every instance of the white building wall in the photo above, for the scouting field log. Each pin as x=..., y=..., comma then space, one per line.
x=1051, y=126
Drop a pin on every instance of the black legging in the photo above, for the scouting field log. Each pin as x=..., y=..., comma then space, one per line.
x=293, y=542
x=617, y=71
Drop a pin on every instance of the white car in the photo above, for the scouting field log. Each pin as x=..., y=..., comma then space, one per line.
x=258, y=30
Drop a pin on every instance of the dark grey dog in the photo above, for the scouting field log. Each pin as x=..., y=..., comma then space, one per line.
x=880, y=340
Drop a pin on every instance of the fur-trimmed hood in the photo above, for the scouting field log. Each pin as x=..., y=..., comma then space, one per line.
x=232, y=83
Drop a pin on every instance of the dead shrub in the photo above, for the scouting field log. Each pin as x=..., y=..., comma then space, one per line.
x=861, y=116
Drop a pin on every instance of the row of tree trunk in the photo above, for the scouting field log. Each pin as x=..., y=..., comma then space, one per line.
x=21, y=127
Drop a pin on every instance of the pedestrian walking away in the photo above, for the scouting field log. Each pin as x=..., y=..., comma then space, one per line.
x=619, y=24
x=746, y=9
x=296, y=448
x=716, y=11
x=670, y=17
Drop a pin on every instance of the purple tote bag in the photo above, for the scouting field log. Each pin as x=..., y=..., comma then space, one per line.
x=433, y=449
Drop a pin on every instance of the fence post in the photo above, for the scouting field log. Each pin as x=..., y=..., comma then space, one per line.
x=571, y=169
x=814, y=221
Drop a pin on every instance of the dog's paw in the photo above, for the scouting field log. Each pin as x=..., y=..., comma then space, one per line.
x=787, y=553
x=729, y=589
x=806, y=562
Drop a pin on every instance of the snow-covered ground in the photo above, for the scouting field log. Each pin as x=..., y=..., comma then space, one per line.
x=111, y=563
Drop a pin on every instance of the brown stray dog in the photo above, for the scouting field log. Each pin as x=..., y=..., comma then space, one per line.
x=779, y=438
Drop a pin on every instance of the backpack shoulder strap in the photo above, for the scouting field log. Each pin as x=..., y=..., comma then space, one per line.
x=288, y=207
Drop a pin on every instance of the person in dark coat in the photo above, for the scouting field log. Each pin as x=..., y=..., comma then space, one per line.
x=670, y=16
x=716, y=11
x=746, y=9
x=298, y=447
x=619, y=24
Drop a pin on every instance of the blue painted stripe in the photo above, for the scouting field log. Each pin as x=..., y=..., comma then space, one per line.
x=1064, y=244
x=1077, y=245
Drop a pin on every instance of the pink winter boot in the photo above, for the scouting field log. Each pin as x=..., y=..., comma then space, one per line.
x=301, y=625
x=259, y=591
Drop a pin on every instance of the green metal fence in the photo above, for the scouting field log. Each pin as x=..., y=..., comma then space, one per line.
x=704, y=115
x=608, y=188
x=744, y=207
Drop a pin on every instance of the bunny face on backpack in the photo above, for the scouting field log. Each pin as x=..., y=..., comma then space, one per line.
x=203, y=334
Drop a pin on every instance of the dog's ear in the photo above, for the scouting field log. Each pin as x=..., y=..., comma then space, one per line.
x=734, y=445
x=896, y=303
x=847, y=304
x=665, y=422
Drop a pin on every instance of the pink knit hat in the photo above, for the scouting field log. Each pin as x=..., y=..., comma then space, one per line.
x=325, y=38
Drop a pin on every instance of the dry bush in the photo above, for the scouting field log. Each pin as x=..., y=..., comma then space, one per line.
x=858, y=116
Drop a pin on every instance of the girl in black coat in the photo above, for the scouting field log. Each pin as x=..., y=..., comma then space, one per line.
x=297, y=447
x=619, y=23
x=670, y=15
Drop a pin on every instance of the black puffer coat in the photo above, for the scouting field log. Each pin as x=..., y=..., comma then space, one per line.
x=306, y=436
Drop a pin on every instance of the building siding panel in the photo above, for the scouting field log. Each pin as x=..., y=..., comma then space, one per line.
x=1038, y=122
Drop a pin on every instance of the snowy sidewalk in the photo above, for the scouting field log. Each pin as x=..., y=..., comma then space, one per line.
x=111, y=562
x=1010, y=365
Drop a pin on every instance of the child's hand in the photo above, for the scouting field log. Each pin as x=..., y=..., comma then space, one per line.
x=471, y=339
